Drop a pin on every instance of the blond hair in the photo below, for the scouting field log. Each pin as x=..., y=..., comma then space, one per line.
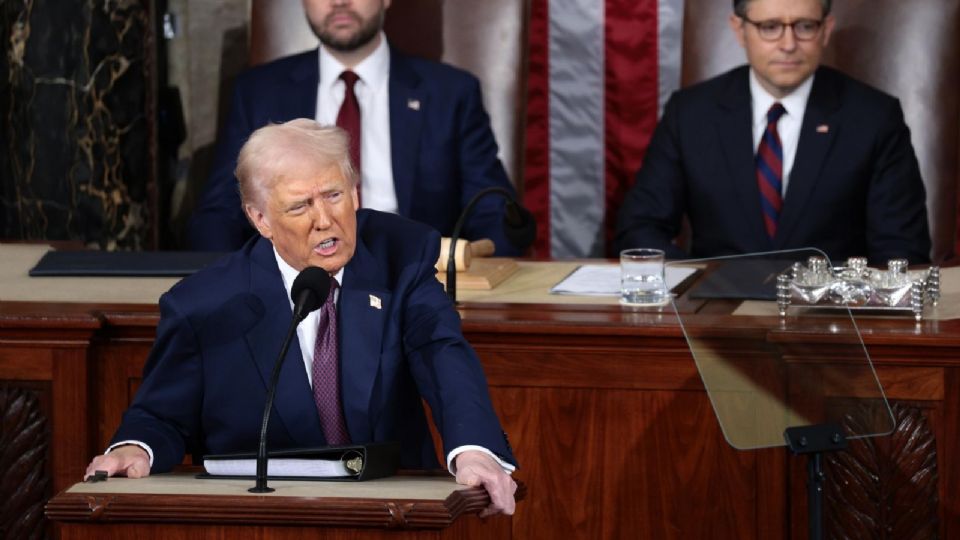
x=271, y=149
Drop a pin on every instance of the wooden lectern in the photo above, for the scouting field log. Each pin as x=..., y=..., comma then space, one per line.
x=178, y=505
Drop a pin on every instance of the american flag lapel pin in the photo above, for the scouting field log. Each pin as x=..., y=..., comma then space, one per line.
x=413, y=104
x=823, y=128
x=375, y=302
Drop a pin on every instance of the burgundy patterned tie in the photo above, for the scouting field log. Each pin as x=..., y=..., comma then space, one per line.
x=770, y=170
x=349, y=118
x=326, y=373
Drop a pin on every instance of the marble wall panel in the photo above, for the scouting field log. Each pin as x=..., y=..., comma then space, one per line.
x=77, y=158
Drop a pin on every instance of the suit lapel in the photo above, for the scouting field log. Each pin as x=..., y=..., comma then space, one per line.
x=294, y=403
x=299, y=100
x=734, y=127
x=407, y=107
x=817, y=133
x=362, y=312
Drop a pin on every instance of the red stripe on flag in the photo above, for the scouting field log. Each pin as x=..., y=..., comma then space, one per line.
x=536, y=188
x=631, y=96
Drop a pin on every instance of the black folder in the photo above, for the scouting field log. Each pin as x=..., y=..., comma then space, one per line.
x=748, y=279
x=123, y=263
x=362, y=461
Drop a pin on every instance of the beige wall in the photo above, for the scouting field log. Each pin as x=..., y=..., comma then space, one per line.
x=209, y=49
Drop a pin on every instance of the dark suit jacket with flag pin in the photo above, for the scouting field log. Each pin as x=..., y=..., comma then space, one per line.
x=855, y=188
x=206, y=379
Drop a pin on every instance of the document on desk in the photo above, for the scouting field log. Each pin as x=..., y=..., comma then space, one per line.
x=288, y=467
x=604, y=280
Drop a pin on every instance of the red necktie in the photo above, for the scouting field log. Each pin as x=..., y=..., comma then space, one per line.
x=326, y=374
x=349, y=118
x=770, y=170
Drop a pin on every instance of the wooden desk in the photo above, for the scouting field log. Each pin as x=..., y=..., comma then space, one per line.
x=179, y=505
x=604, y=407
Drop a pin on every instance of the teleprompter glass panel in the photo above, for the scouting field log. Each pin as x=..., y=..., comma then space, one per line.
x=767, y=373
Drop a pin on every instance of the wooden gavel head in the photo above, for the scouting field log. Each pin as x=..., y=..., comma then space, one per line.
x=464, y=252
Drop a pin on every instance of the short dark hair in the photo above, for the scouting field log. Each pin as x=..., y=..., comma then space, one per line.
x=740, y=7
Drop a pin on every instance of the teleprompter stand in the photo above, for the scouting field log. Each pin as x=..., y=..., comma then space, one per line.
x=804, y=380
x=814, y=441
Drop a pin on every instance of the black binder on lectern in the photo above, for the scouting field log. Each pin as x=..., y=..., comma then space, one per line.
x=348, y=462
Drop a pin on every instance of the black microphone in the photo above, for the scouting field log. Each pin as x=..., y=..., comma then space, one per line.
x=519, y=227
x=309, y=292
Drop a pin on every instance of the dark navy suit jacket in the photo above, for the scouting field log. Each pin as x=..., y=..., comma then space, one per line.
x=443, y=150
x=205, y=382
x=855, y=188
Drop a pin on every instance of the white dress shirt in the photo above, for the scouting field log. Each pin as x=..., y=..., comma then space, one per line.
x=307, y=329
x=373, y=95
x=789, y=125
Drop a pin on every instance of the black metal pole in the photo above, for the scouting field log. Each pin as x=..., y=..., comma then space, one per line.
x=261, y=485
x=813, y=441
x=815, y=479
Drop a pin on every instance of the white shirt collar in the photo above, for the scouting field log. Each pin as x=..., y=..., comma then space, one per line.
x=795, y=102
x=289, y=273
x=372, y=70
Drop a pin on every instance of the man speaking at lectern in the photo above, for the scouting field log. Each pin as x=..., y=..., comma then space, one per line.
x=394, y=337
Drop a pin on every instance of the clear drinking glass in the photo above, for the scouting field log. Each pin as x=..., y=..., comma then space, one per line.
x=641, y=277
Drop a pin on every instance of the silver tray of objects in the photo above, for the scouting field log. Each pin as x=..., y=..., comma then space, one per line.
x=858, y=287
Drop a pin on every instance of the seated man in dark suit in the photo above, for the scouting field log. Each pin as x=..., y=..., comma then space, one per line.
x=424, y=147
x=396, y=340
x=783, y=153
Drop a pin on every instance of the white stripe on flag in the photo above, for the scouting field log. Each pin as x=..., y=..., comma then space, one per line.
x=576, y=46
x=669, y=48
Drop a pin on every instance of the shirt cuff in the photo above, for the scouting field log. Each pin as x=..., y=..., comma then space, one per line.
x=452, y=456
x=135, y=443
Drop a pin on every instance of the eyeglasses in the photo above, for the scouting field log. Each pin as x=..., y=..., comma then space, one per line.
x=772, y=30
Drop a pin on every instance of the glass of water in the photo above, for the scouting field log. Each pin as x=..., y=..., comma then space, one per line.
x=641, y=277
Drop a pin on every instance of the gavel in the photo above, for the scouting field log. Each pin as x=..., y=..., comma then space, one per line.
x=465, y=252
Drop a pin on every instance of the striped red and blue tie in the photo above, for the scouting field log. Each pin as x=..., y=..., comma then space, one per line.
x=770, y=170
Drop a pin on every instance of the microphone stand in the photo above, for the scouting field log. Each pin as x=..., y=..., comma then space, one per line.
x=451, y=256
x=261, y=486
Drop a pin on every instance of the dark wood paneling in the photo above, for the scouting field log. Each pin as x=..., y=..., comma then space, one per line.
x=947, y=432
x=54, y=351
x=24, y=453
x=885, y=487
x=119, y=370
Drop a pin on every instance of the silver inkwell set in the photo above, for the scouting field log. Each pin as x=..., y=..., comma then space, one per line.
x=858, y=287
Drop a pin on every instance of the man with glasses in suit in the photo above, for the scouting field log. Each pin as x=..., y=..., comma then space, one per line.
x=781, y=153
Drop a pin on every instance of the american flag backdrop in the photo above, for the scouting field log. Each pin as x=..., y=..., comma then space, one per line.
x=599, y=74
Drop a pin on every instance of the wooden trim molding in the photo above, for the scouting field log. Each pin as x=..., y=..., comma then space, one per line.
x=266, y=510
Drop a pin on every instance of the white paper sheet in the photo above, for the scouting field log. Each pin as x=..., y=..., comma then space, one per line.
x=604, y=280
x=294, y=467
